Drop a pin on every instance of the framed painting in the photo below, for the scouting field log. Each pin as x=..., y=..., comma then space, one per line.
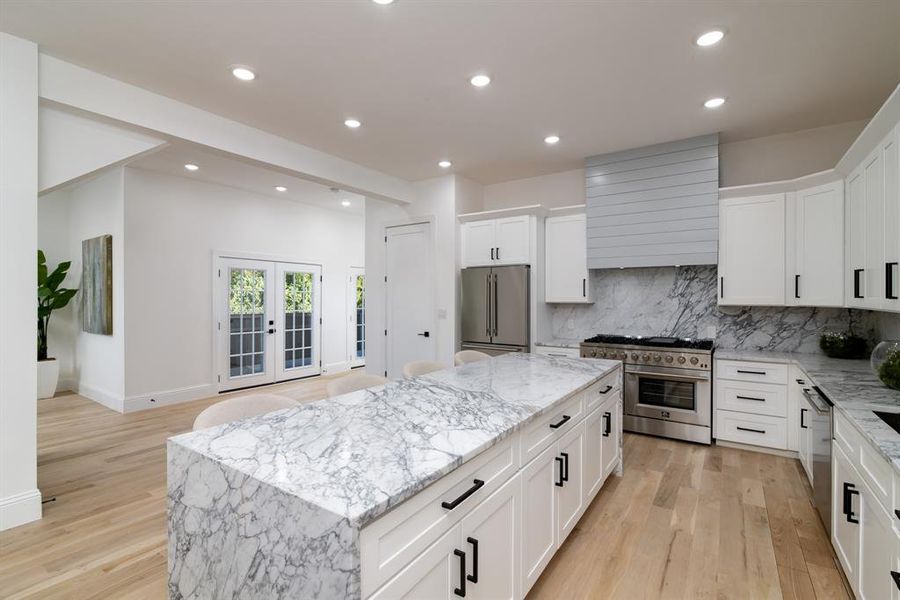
x=96, y=285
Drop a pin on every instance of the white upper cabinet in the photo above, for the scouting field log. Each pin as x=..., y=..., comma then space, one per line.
x=566, y=273
x=873, y=171
x=504, y=241
x=855, y=249
x=751, y=250
x=815, y=246
x=890, y=152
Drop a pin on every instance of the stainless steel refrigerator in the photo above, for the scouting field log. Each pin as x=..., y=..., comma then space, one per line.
x=495, y=309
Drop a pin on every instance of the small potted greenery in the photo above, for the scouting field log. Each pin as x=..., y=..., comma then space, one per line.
x=885, y=362
x=50, y=297
x=843, y=345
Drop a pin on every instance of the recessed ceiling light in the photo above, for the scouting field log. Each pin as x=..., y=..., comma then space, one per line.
x=243, y=73
x=480, y=80
x=383, y=1
x=280, y=188
x=445, y=164
x=710, y=38
x=551, y=139
x=345, y=203
x=714, y=102
x=191, y=167
x=352, y=123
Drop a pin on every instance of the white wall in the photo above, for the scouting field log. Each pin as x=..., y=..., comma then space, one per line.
x=90, y=363
x=557, y=189
x=20, y=500
x=173, y=226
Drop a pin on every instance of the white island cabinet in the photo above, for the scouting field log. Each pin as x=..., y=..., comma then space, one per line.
x=460, y=483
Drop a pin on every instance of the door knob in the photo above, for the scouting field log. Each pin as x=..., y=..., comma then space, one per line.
x=271, y=330
x=424, y=334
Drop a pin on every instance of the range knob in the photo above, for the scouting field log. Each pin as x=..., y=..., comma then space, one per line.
x=694, y=360
x=657, y=358
x=594, y=353
x=602, y=354
x=645, y=357
x=633, y=356
x=681, y=360
x=669, y=358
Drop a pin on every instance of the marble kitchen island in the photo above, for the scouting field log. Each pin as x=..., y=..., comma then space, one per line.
x=343, y=497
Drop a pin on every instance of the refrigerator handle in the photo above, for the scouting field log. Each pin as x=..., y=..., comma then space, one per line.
x=487, y=304
x=495, y=304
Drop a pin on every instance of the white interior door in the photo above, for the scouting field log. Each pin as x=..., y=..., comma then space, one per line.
x=356, y=330
x=246, y=333
x=298, y=320
x=410, y=299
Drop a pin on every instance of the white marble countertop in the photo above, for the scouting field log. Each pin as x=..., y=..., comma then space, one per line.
x=358, y=455
x=850, y=385
x=560, y=344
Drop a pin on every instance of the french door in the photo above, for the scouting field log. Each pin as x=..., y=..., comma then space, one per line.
x=356, y=332
x=268, y=321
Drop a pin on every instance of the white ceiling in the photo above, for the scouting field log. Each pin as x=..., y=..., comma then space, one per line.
x=604, y=75
x=225, y=170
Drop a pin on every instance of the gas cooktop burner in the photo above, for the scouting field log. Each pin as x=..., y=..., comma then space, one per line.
x=658, y=341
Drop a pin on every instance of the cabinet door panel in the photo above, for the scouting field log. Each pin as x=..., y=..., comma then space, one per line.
x=566, y=274
x=478, y=243
x=492, y=528
x=877, y=550
x=611, y=441
x=513, y=240
x=816, y=242
x=891, y=156
x=873, y=170
x=593, y=453
x=751, y=250
x=844, y=533
x=570, y=496
x=855, y=230
x=538, y=516
x=433, y=575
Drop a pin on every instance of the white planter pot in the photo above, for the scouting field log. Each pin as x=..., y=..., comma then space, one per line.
x=47, y=377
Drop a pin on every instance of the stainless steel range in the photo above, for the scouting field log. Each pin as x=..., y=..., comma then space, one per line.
x=667, y=384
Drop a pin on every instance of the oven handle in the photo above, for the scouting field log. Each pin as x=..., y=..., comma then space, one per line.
x=669, y=375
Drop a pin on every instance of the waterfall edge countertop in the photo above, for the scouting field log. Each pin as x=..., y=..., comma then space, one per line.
x=268, y=501
x=850, y=385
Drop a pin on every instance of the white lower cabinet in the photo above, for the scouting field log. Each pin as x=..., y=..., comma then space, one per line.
x=569, y=481
x=878, y=550
x=807, y=412
x=610, y=437
x=538, y=515
x=490, y=540
x=844, y=532
x=430, y=576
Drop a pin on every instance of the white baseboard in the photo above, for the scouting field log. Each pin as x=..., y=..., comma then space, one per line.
x=101, y=396
x=168, y=397
x=19, y=509
x=335, y=367
x=762, y=449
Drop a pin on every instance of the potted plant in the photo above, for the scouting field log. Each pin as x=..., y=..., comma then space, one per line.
x=50, y=297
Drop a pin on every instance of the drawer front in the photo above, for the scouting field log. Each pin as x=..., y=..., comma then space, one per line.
x=394, y=540
x=878, y=474
x=603, y=390
x=845, y=436
x=545, y=430
x=752, y=371
x=752, y=398
x=557, y=351
x=759, y=430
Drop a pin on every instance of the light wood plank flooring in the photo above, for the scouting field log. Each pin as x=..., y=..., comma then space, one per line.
x=685, y=521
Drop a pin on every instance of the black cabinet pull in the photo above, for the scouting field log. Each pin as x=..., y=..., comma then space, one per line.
x=584, y=288
x=476, y=485
x=796, y=286
x=605, y=390
x=559, y=482
x=492, y=254
x=607, y=424
x=889, y=280
x=271, y=330
x=424, y=334
x=739, y=397
x=498, y=253
x=897, y=513
x=751, y=372
x=896, y=577
x=802, y=422
x=856, y=284
x=751, y=429
x=565, y=473
x=849, y=491
x=461, y=590
x=721, y=287
x=561, y=422
x=474, y=576
x=800, y=381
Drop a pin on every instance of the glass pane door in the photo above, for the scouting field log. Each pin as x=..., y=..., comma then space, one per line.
x=357, y=331
x=248, y=329
x=298, y=332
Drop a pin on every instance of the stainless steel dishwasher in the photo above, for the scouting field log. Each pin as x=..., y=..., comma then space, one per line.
x=822, y=434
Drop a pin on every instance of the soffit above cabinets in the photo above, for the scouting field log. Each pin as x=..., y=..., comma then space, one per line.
x=654, y=206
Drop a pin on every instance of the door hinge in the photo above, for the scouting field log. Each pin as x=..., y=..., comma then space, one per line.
x=219, y=325
x=320, y=278
x=385, y=239
x=220, y=272
x=320, y=320
x=385, y=332
x=385, y=373
x=219, y=378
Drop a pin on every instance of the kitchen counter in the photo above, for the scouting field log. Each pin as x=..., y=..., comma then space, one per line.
x=273, y=505
x=850, y=385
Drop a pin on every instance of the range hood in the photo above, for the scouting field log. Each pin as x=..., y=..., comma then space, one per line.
x=655, y=206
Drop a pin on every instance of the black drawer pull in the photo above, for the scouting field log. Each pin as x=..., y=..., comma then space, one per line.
x=889, y=281
x=751, y=372
x=474, y=576
x=461, y=590
x=856, y=285
x=561, y=422
x=802, y=421
x=796, y=286
x=606, y=389
x=800, y=381
x=476, y=485
x=750, y=398
x=849, y=491
x=751, y=429
x=560, y=481
x=607, y=424
x=565, y=473
x=896, y=577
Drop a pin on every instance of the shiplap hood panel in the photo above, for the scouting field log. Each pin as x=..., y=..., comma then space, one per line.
x=655, y=206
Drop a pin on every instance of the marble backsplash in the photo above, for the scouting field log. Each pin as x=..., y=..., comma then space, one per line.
x=681, y=301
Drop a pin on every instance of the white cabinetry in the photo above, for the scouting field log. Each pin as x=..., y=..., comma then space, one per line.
x=569, y=481
x=751, y=250
x=566, y=273
x=805, y=441
x=538, y=515
x=752, y=404
x=502, y=241
x=815, y=246
x=844, y=531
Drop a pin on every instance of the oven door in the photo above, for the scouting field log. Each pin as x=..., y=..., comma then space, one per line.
x=669, y=394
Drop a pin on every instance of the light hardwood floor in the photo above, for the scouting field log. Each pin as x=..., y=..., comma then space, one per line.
x=685, y=521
